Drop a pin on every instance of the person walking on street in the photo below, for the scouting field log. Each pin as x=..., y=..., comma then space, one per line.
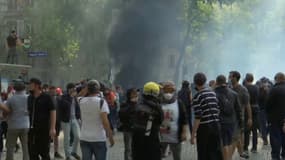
x=206, y=128
x=238, y=140
x=174, y=126
x=230, y=113
x=95, y=124
x=146, y=125
x=70, y=116
x=18, y=121
x=276, y=117
x=126, y=114
x=42, y=115
x=55, y=99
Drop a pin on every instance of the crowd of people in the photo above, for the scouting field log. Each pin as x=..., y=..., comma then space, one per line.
x=221, y=117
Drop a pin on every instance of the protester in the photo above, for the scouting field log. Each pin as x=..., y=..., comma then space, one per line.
x=230, y=114
x=126, y=114
x=95, y=127
x=147, y=120
x=174, y=126
x=42, y=121
x=264, y=85
x=206, y=124
x=238, y=140
x=185, y=96
x=276, y=117
x=18, y=121
x=253, y=94
x=11, y=44
x=70, y=116
x=55, y=99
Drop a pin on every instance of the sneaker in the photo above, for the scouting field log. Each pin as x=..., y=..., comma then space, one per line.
x=17, y=148
x=76, y=156
x=253, y=151
x=57, y=155
x=244, y=155
x=265, y=142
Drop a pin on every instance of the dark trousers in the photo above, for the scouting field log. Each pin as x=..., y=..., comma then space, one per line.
x=253, y=129
x=1, y=140
x=39, y=144
x=209, y=144
x=277, y=141
x=12, y=56
x=263, y=125
x=146, y=147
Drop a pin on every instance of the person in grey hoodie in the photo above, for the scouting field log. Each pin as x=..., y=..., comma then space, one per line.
x=18, y=120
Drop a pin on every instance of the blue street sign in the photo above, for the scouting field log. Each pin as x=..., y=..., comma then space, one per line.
x=38, y=54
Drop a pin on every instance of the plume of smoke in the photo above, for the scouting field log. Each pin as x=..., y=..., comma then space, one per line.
x=252, y=38
x=137, y=38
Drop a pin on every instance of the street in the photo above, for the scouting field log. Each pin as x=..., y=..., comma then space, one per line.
x=188, y=151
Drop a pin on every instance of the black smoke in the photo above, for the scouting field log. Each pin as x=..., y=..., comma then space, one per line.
x=136, y=41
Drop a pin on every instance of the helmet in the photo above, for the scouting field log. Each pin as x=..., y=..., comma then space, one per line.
x=93, y=86
x=152, y=89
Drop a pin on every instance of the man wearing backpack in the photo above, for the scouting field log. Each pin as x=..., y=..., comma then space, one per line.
x=95, y=124
x=230, y=113
x=146, y=125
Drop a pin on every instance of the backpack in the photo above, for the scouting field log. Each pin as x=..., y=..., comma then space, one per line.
x=226, y=105
x=125, y=117
x=141, y=116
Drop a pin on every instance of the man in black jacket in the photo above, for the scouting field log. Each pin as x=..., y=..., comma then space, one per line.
x=69, y=113
x=275, y=109
x=230, y=113
x=146, y=124
x=185, y=96
x=42, y=121
x=126, y=114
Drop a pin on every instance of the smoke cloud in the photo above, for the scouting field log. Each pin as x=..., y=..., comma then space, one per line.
x=136, y=40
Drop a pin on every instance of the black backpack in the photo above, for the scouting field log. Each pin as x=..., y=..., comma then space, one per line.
x=225, y=104
x=140, y=118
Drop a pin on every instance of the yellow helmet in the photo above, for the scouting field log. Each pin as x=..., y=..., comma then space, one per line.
x=151, y=88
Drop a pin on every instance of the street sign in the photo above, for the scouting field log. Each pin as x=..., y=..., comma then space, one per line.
x=27, y=43
x=37, y=54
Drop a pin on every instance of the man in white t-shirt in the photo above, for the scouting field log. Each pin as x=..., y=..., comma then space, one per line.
x=95, y=124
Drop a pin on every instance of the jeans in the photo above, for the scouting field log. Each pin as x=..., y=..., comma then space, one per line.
x=175, y=148
x=97, y=149
x=73, y=127
x=12, y=137
x=12, y=56
x=113, y=117
x=128, y=145
x=277, y=141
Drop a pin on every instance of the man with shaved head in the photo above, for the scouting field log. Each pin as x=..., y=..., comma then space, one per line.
x=276, y=117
